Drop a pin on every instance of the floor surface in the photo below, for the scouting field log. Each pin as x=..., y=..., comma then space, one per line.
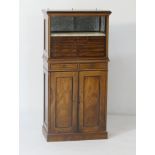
x=121, y=129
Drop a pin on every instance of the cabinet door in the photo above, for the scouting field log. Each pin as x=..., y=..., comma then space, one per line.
x=63, y=104
x=92, y=107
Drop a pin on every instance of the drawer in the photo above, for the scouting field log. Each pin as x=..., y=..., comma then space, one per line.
x=89, y=66
x=63, y=66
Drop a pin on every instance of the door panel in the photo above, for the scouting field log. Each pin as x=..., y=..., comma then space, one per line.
x=64, y=101
x=91, y=101
x=92, y=108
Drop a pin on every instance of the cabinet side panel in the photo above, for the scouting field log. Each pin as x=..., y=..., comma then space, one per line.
x=44, y=33
x=107, y=34
x=45, y=99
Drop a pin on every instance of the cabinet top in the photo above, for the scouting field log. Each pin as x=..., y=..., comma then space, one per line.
x=91, y=12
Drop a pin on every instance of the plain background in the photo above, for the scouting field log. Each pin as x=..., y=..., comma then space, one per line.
x=122, y=48
x=9, y=57
x=121, y=82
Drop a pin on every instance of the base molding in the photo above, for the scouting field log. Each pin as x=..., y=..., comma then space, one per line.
x=73, y=136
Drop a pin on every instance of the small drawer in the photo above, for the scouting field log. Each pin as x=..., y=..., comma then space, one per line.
x=89, y=66
x=63, y=66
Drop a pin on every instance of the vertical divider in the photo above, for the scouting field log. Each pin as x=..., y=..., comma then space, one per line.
x=107, y=33
x=99, y=23
x=49, y=36
x=44, y=33
x=44, y=100
x=78, y=98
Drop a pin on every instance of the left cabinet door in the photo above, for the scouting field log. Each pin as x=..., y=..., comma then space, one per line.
x=63, y=102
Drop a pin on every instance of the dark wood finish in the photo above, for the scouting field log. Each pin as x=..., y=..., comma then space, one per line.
x=78, y=46
x=76, y=13
x=74, y=136
x=92, y=101
x=63, y=47
x=107, y=34
x=63, y=115
x=75, y=82
x=93, y=66
x=62, y=67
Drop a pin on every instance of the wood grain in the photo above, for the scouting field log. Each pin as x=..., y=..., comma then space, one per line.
x=63, y=102
x=92, y=101
x=72, y=46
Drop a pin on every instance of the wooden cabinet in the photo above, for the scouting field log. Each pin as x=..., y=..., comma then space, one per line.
x=75, y=74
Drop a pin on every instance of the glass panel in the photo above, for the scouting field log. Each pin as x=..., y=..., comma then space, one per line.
x=103, y=24
x=77, y=24
x=62, y=24
x=86, y=24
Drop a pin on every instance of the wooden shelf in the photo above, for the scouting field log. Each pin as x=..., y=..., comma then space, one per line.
x=57, y=34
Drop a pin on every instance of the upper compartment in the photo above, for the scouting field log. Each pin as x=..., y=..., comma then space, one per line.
x=78, y=34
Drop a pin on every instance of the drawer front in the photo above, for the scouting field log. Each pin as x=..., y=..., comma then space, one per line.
x=89, y=66
x=63, y=66
x=63, y=47
x=91, y=47
x=82, y=46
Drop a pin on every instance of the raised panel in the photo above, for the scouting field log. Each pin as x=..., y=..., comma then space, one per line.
x=63, y=102
x=91, y=103
x=92, y=108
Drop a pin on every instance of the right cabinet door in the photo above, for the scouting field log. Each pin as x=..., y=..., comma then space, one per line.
x=92, y=104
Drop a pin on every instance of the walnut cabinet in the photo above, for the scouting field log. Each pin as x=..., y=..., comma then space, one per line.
x=75, y=74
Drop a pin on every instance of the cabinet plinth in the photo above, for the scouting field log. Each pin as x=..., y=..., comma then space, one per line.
x=75, y=75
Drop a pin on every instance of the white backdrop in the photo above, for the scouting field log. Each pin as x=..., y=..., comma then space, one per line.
x=122, y=48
